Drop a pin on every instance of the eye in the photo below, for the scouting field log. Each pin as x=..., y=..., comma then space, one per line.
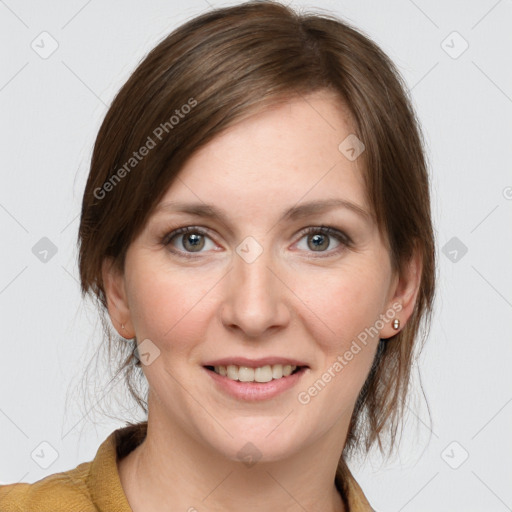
x=194, y=239
x=318, y=239
x=191, y=241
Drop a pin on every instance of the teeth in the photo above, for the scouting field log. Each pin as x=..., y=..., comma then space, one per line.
x=245, y=374
x=261, y=374
x=277, y=371
x=232, y=372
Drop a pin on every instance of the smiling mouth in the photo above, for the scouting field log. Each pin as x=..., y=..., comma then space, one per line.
x=261, y=374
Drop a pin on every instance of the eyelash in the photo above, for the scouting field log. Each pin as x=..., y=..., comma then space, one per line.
x=343, y=238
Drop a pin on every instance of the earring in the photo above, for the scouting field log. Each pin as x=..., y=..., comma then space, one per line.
x=396, y=324
x=122, y=327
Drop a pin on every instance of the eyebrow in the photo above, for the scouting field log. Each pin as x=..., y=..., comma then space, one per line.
x=293, y=213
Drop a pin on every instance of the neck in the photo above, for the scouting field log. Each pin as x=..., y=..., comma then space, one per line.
x=171, y=470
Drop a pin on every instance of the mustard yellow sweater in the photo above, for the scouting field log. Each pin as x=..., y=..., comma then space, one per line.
x=95, y=486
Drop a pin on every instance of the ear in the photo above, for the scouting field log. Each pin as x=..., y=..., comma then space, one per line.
x=117, y=304
x=403, y=293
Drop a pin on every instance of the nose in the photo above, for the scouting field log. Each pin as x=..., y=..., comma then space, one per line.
x=254, y=298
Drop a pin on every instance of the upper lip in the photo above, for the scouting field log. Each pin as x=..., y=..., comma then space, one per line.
x=255, y=363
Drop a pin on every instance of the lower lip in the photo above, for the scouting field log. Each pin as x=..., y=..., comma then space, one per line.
x=255, y=391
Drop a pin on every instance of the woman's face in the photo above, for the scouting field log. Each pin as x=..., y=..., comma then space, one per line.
x=252, y=284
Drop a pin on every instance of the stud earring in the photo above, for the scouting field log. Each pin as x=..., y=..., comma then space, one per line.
x=396, y=324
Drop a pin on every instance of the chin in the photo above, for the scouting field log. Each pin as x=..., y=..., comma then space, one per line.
x=257, y=441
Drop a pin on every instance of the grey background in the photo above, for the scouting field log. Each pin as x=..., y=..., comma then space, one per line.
x=51, y=109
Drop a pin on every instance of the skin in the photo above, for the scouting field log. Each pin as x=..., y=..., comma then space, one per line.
x=294, y=300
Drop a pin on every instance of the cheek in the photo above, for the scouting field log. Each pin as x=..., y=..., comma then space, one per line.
x=342, y=304
x=167, y=304
x=344, y=310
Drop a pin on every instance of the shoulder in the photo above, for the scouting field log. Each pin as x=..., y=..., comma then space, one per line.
x=90, y=487
x=349, y=489
x=58, y=492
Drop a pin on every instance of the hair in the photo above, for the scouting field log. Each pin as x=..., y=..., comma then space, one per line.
x=218, y=69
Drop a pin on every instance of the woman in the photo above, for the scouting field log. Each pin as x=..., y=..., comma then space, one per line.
x=257, y=222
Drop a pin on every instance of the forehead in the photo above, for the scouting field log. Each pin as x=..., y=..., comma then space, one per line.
x=282, y=155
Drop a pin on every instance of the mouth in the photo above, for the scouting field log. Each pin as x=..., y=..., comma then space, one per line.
x=260, y=374
x=249, y=379
x=254, y=384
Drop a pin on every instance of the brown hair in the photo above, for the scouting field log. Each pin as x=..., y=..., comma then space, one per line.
x=218, y=69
